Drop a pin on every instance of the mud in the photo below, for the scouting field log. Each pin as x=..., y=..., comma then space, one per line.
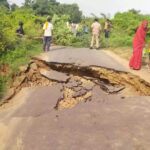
x=80, y=82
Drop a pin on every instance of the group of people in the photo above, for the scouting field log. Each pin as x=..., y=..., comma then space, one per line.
x=73, y=28
x=95, y=30
x=77, y=28
x=138, y=41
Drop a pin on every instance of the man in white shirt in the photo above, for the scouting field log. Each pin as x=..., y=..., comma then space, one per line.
x=96, y=30
x=47, y=34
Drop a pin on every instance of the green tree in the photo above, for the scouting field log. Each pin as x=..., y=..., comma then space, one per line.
x=28, y=3
x=44, y=7
x=51, y=7
x=13, y=7
x=134, y=11
x=4, y=3
x=71, y=10
x=75, y=13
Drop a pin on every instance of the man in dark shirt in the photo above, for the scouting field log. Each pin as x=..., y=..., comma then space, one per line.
x=20, y=30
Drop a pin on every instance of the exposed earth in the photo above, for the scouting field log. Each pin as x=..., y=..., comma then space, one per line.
x=70, y=98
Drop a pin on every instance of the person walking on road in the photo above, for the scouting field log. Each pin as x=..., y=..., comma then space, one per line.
x=96, y=30
x=47, y=34
x=138, y=45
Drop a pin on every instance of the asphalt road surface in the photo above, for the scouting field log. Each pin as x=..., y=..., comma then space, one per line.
x=107, y=122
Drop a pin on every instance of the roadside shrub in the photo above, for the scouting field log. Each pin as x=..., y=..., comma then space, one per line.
x=62, y=35
x=2, y=86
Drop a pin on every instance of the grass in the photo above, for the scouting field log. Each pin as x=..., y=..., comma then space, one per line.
x=123, y=52
x=126, y=53
x=16, y=58
x=21, y=56
x=2, y=86
x=21, y=61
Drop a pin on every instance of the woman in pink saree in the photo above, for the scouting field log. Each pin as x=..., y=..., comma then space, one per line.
x=138, y=44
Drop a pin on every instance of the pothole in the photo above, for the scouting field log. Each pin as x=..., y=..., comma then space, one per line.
x=75, y=90
x=78, y=82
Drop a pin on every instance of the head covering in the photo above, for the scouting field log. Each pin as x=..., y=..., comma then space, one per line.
x=143, y=24
x=140, y=34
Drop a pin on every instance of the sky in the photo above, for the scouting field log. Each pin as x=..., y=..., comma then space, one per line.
x=109, y=7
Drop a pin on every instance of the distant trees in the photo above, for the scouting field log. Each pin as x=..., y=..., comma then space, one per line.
x=134, y=11
x=28, y=3
x=48, y=8
x=42, y=7
x=51, y=7
x=4, y=3
x=71, y=10
x=13, y=7
x=103, y=15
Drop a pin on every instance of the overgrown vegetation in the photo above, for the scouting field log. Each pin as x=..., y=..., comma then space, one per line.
x=124, y=26
x=15, y=51
x=2, y=86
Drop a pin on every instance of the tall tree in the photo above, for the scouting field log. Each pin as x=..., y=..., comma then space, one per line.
x=44, y=7
x=51, y=7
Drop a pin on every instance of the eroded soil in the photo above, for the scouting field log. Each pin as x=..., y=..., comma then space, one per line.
x=79, y=82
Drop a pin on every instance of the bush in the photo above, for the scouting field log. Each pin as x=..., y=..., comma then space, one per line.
x=2, y=86
x=62, y=35
x=7, y=35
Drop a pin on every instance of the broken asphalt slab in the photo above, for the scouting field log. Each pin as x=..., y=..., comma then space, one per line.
x=54, y=75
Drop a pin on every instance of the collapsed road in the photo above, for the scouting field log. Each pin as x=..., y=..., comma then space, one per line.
x=72, y=99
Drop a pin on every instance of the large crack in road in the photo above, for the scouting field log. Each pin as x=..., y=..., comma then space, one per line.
x=78, y=81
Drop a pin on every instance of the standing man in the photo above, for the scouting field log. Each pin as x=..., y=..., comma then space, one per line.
x=47, y=34
x=96, y=30
x=106, y=28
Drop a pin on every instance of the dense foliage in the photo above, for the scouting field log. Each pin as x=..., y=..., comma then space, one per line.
x=124, y=26
x=4, y=3
x=9, y=22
